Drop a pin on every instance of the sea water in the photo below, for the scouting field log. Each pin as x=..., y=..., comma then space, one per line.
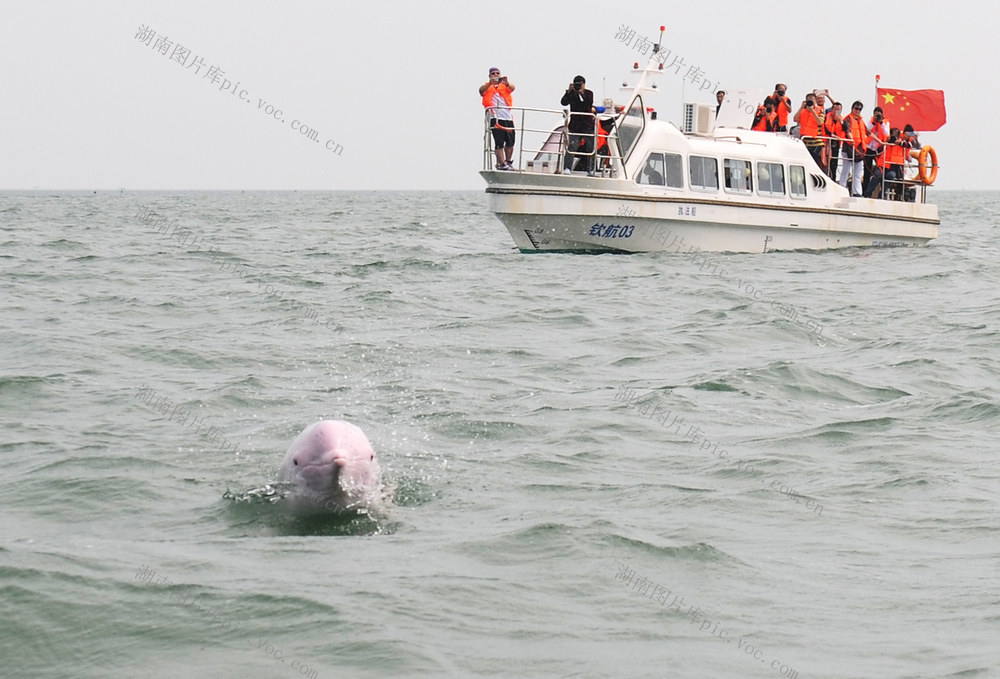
x=597, y=466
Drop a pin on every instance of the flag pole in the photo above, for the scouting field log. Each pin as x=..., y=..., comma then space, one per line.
x=877, y=78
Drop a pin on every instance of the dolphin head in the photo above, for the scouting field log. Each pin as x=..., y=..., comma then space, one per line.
x=330, y=465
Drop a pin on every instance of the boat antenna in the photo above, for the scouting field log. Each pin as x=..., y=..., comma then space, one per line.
x=656, y=47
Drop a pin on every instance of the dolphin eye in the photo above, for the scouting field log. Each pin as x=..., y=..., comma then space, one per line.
x=372, y=457
x=295, y=462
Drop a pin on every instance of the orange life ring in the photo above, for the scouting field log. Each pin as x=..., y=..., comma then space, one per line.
x=927, y=173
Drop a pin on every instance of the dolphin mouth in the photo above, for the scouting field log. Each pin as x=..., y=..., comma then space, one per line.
x=324, y=470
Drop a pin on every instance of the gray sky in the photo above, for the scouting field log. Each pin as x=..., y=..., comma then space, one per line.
x=394, y=84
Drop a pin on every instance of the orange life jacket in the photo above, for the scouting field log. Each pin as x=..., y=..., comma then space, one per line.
x=892, y=154
x=879, y=129
x=859, y=133
x=500, y=88
x=832, y=128
x=897, y=154
x=768, y=122
x=783, y=110
x=808, y=125
x=882, y=159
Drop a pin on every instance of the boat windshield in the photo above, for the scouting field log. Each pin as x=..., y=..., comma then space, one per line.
x=631, y=126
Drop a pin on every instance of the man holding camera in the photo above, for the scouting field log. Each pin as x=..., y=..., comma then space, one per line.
x=782, y=106
x=496, y=94
x=833, y=127
x=581, y=124
x=878, y=134
x=810, y=119
x=766, y=119
x=889, y=166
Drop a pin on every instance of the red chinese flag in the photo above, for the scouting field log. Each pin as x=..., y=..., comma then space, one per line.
x=924, y=109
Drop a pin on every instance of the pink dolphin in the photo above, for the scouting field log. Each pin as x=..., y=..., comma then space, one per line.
x=330, y=465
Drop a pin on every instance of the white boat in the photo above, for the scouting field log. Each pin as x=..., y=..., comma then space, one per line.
x=770, y=194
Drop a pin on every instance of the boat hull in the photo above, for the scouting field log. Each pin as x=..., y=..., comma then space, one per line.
x=582, y=214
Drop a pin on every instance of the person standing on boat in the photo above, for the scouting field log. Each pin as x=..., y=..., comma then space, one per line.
x=821, y=100
x=910, y=135
x=833, y=127
x=719, y=97
x=911, y=142
x=782, y=106
x=878, y=132
x=810, y=120
x=888, y=165
x=853, y=148
x=766, y=119
x=821, y=97
x=581, y=123
x=604, y=127
x=497, y=99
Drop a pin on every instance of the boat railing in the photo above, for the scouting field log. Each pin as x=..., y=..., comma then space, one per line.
x=542, y=140
x=899, y=189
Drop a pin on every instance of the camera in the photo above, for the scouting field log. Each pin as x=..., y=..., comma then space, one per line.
x=577, y=86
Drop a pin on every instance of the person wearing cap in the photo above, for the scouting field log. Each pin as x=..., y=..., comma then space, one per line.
x=910, y=136
x=497, y=99
x=581, y=124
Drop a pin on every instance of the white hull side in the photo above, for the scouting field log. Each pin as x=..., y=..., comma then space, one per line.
x=563, y=233
x=543, y=221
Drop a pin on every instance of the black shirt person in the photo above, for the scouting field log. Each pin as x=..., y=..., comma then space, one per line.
x=581, y=127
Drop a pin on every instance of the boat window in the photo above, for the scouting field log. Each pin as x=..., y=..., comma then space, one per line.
x=797, y=181
x=652, y=172
x=630, y=127
x=675, y=170
x=771, y=178
x=704, y=172
x=737, y=175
